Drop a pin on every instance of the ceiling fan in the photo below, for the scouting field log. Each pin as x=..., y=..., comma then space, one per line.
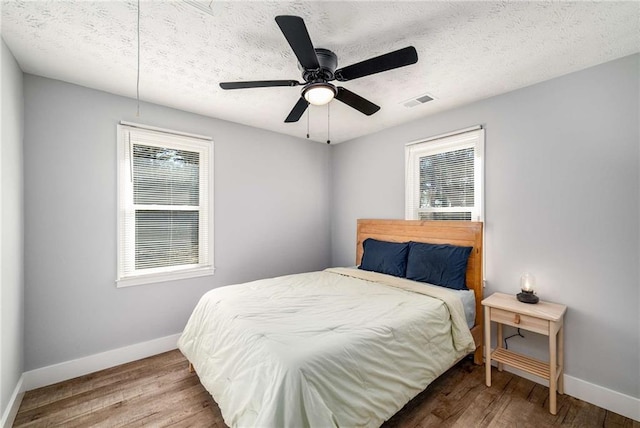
x=319, y=68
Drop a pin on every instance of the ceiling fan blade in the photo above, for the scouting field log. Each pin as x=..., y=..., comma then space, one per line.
x=389, y=61
x=258, y=84
x=297, y=111
x=297, y=35
x=356, y=101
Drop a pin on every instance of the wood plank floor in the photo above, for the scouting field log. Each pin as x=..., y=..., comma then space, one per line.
x=159, y=391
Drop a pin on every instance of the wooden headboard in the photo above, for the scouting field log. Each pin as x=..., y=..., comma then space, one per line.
x=462, y=233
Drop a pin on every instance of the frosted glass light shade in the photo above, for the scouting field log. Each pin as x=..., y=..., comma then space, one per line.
x=527, y=282
x=319, y=94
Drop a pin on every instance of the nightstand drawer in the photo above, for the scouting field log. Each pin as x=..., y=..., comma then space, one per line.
x=518, y=320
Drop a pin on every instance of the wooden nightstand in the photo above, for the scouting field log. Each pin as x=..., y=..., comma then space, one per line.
x=544, y=318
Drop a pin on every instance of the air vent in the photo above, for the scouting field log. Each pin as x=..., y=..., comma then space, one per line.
x=421, y=99
x=203, y=6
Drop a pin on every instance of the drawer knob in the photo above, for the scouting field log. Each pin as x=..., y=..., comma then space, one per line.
x=517, y=319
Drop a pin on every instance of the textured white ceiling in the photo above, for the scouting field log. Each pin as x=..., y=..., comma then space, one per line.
x=467, y=51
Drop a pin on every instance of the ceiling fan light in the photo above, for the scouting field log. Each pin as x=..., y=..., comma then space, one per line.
x=319, y=94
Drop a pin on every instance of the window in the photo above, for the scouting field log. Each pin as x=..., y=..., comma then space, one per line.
x=165, y=205
x=444, y=177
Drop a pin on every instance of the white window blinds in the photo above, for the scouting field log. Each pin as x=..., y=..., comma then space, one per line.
x=165, y=206
x=444, y=179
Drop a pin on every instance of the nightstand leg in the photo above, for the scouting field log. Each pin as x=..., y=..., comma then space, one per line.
x=561, y=360
x=487, y=344
x=553, y=361
x=499, y=341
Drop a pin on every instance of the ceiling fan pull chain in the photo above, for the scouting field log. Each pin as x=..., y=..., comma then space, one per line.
x=308, y=113
x=138, y=77
x=328, y=124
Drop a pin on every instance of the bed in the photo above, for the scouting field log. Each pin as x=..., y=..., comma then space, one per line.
x=340, y=347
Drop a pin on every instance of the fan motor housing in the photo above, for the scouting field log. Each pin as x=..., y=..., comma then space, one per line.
x=328, y=63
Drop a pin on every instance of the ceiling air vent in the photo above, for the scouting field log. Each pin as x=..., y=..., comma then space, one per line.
x=425, y=98
x=203, y=6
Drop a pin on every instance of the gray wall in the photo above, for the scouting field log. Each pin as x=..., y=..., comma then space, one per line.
x=11, y=229
x=271, y=218
x=562, y=202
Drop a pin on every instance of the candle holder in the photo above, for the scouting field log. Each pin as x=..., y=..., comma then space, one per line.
x=527, y=284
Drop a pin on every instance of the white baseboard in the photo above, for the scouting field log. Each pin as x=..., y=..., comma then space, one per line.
x=70, y=369
x=609, y=399
x=11, y=411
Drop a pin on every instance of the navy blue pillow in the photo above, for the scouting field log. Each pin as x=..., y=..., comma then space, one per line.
x=439, y=264
x=385, y=257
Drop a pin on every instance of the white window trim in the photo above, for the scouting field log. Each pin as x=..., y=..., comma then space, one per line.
x=125, y=206
x=439, y=144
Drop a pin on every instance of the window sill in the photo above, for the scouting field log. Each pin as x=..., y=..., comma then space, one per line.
x=164, y=276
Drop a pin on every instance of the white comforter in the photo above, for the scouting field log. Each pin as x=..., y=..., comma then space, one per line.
x=322, y=349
